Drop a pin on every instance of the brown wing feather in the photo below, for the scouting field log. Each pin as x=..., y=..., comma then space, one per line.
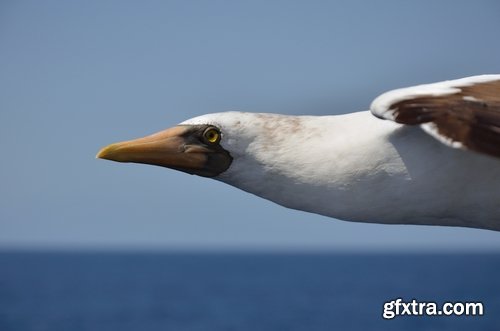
x=470, y=116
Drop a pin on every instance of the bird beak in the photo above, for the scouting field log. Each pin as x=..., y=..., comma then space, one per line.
x=167, y=148
x=174, y=148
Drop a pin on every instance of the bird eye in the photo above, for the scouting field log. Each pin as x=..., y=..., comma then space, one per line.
x=212, y=135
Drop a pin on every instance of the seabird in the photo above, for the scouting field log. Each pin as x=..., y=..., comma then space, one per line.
x=430, y=155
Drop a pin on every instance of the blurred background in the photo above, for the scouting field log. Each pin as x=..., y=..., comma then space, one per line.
x=88, y=244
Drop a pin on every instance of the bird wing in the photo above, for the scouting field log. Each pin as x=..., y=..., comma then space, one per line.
x=462, y=113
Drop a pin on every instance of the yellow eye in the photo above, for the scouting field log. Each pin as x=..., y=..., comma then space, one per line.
x=212, y=135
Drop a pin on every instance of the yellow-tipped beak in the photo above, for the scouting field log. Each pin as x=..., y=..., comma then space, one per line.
x=166, y=148
x=177, y=148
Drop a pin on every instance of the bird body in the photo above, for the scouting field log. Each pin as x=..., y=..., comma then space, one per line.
x=355, y=167
x=434, y=160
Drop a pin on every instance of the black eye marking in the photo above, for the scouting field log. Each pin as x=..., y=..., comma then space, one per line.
x=205, y=134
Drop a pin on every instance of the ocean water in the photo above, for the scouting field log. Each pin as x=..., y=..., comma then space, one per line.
x=240, y=291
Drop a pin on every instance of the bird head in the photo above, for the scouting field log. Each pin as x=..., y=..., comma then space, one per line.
x=268, y=155
x=204, y=145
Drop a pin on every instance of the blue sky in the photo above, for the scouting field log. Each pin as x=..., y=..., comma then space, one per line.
x=78, y=75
